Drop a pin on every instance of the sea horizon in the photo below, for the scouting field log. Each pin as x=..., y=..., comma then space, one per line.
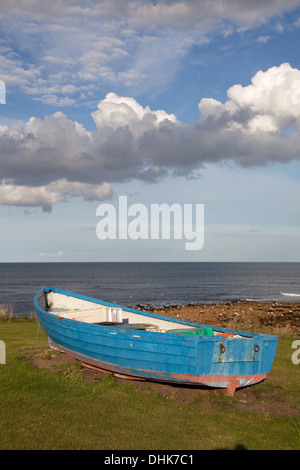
x=145, y=261
x=151, y=283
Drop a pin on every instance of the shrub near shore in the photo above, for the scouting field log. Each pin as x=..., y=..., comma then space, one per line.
x=7, y=314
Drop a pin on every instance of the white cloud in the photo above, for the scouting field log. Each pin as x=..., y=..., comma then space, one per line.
x=119, y=111
x=267, y=103
x=186, y=13
x=53, y=50
x=263, y=39
x=270, y=94
x=43, y=162
x=52, y=255
x=170, y=12
x=47, y=195
x=13, y=71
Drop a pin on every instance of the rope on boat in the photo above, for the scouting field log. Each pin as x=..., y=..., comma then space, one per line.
x=27, y=358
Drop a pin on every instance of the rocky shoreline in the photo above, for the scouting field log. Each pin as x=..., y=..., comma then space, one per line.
x=236, y=314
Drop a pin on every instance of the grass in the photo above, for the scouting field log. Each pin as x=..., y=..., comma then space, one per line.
x=58, y=410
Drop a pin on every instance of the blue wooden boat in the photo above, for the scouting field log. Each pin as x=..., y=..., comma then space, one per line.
x=142, y=345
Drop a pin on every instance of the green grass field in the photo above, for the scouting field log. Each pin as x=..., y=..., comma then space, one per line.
x=57, y=409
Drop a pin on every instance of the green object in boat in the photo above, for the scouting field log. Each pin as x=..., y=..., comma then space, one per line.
x=192, y=331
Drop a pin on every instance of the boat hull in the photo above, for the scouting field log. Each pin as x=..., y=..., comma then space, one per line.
x=216, y=361
x=212, y=381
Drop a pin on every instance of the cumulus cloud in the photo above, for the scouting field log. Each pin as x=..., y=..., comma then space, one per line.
x=47, y=195
x=262, y=118
x=116, y=112
x=50, y=160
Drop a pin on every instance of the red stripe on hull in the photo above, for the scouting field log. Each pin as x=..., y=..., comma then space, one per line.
x=231, y=383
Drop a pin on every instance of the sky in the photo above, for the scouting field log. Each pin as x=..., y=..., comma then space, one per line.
x=164, y=102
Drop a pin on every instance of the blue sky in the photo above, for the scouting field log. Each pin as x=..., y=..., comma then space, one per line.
x=169, y=101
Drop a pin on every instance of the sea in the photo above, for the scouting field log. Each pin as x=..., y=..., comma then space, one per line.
x=150, y=284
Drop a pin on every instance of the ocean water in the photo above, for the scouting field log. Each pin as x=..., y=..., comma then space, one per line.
x=151, y=283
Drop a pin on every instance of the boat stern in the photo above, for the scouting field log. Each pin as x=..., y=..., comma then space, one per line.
x=237, y=361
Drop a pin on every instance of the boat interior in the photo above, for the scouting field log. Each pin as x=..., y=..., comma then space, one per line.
x=65, y=306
